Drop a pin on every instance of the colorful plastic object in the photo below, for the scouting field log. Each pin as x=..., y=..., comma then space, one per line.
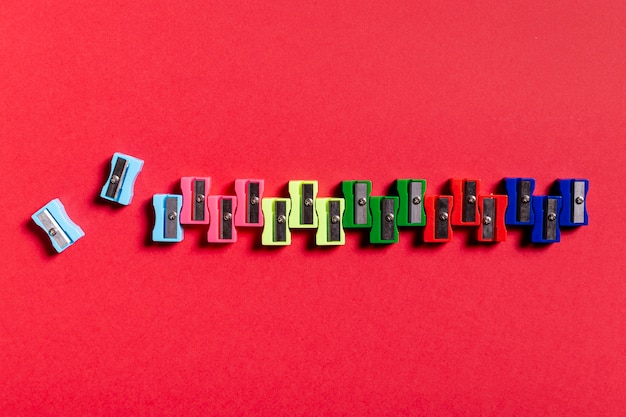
x=195, y=191
x=492, y=209
x=120, y=184
x=547, y=212
x=330, y=230
x=249, y=194
x=574, y=194
x=167, y=218
x=438, y=228
x=520, y=206
x=357, y=200
x=465, y=208
x=303, y=194
x=222, y=224
x=411, y=194
x=61, y=230
x=384, y=225
x=276, y=228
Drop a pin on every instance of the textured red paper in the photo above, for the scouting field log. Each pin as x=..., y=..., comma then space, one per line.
x=322, y=90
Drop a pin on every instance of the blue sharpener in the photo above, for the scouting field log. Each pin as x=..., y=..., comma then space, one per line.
x=519, y=212
x=61, y=230
x=574, y=193
x=121, y=182
x=167, y=220
x=547, y=212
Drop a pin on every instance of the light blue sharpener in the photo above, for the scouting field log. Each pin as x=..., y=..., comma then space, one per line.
x=121, y=182
x=61, y=230
x=167, y=218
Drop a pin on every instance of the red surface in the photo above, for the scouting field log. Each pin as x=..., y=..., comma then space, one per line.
x=309, y=90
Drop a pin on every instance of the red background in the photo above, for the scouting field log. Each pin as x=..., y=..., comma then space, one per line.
x=320, y=90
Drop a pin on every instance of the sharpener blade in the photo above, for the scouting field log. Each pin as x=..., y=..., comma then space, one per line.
x=119, y=172
x=50, y=224
x=415, y=210
x=171, y=218
x=441, y=227
x=198, y=199
x=280, y=228
x=523, y=208
x=387, y=227
x=226, y=211
x=469, y=208
x=549, y=227
x=578, y=210
x=360, y=211
x=253, y=209
x=489, y=211
x=334, y=229
x=307, y=210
